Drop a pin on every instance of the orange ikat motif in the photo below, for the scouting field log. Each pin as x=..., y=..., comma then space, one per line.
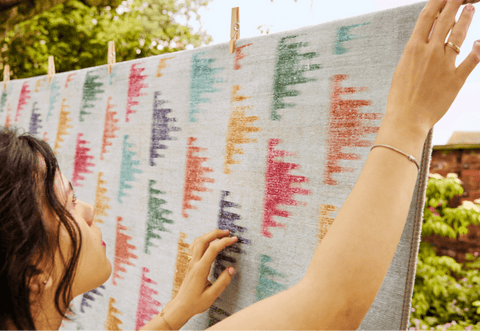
x=194, y=178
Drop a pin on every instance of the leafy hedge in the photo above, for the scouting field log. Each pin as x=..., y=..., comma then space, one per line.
x=440, y=302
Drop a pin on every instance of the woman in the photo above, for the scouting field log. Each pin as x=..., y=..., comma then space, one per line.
x=40, y=218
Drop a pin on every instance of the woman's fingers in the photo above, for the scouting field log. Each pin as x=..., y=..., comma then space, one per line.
x=427, y=18
x=445, y=22
x=459, y=32
x=204, y=241
x=206, y=261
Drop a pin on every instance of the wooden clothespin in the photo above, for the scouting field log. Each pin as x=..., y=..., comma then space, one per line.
x=6, y=76
x=51, y=68
x=234, y=28
x=111, y=55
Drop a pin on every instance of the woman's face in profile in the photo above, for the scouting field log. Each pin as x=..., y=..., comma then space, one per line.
x=94, y=268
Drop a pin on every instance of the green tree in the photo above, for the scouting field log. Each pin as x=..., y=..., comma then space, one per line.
x=446, y=294
x=13, y=12
x=77, y=35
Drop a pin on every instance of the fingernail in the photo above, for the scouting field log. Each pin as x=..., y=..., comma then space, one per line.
x=234, y=238
x=231, y=271
x=226, y=231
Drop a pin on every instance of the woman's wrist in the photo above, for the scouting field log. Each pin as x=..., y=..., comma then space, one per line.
x=157, y=323
x=407, y=137
x=174, y=315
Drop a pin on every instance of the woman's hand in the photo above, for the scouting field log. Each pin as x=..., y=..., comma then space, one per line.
x=426, y=81
x=197, y=293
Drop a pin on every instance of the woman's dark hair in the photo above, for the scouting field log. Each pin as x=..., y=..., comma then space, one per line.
x=23, y=230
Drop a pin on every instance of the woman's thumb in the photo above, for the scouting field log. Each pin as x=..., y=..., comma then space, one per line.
x=226, y=277
x=467, y=66
x=221, y=283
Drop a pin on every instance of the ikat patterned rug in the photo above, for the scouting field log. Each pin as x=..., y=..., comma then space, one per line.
x=267, y=142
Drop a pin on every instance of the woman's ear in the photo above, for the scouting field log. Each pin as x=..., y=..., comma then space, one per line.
x=39, y=284
x=36, y=284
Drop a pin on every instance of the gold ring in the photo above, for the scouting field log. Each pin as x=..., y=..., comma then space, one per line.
x=452, y=45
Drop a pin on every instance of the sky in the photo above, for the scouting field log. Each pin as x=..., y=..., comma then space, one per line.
x=282, y=15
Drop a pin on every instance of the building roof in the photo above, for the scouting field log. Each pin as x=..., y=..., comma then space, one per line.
x=461, y=140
